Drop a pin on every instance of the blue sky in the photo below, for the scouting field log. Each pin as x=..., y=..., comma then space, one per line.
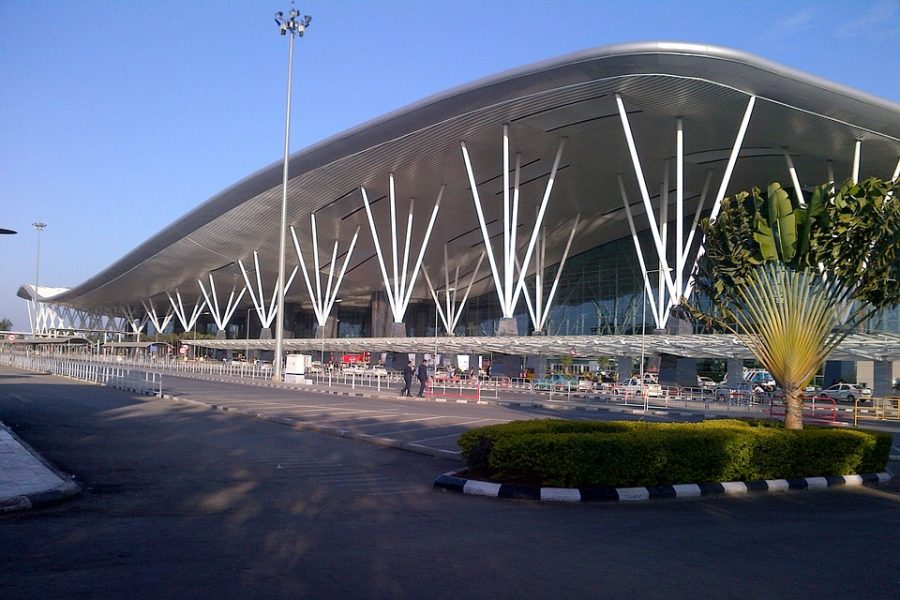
x=116, y=118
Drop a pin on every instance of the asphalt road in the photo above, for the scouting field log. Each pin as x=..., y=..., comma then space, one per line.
x=184, y=502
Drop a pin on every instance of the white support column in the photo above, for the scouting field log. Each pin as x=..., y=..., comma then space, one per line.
x=679, y=205
x=442, y=313
x=322, y=304
x=798, y=191
x=399, y=288
x=220, y=316
x=645, y=196
x=690, y=239
x=539, y=220
x=732, y=159
x=508, y=283
x=562, y=264
x=664, y=234
x=498, y=282
x=726, y=179
x=637, y=248
x=451, y=313
x=856, y=152
x=158, y=325
x=507, y=249
x=187, y=323
x=136, y=322
x=895, y=176
x=266, y=314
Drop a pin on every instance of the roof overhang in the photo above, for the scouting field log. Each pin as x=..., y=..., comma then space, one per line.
x=573, y=97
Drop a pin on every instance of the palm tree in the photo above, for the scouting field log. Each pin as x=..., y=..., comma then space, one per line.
x=794, y=279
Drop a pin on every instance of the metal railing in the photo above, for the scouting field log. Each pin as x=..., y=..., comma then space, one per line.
x=121, y=377
x=876, y=409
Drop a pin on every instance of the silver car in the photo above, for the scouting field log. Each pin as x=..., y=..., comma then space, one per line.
x=847, y=392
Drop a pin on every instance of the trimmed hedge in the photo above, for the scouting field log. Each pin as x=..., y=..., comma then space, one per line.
x=560, y=453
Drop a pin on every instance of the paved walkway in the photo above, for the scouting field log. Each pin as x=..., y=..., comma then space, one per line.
x=26, y=480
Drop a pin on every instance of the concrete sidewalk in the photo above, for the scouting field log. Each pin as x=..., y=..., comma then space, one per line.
x=26, y=479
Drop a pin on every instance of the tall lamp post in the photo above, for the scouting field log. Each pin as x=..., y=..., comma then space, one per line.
x=293, y=25
x=39, y=227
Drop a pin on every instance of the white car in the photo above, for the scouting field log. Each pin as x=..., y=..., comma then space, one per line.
x=706, y=384
x=847, y=392
x=633, y=387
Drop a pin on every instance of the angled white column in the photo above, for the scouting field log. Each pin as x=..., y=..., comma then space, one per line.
x=158, y=324
x=857, y=148
x=895, y=176
x=543, y=312
x=265, y=313
x=221, y=315
x=690, y=240
x=637, y=249
x=798, y=191
x=679, y=205
x=726, y=180
x=452, y=311
x=136, y=321
x=671, y=285
x=399, y=288
x=187, y=322
x=506, y=282
x=645, y=196
x=322, y=303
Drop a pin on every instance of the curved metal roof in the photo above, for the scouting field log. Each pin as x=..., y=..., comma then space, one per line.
x=572, y=97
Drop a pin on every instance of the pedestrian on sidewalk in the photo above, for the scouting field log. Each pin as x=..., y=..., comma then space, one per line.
x=407, y=379
x=422, y=376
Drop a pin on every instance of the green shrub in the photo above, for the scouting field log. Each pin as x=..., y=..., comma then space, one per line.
x=562, y=453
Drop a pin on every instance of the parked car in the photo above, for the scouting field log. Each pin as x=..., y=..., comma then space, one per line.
x=706, y=384
x=353, y=369
x=376, y=371
x=633, y=387
x=760, y=378
x=741, y=393
x=585, y=384
x=847, y=392
x=556, y=382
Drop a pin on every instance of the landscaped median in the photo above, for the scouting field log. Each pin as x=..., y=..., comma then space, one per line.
x=599, y=457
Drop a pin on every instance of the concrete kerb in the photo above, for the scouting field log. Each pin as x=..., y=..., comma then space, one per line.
x=65, y=490
x=454, y=482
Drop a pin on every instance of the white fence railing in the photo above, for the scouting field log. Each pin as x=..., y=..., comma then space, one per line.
x=121, y=377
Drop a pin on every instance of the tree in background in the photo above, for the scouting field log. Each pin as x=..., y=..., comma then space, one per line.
x=5, y=324
x=794, y=280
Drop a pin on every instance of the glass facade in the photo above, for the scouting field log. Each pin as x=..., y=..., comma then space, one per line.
x=600, y=293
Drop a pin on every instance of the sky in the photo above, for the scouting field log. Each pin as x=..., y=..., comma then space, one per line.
x=118, y=117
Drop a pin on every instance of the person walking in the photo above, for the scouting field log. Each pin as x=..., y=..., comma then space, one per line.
x=422, y=376
x=407, y=379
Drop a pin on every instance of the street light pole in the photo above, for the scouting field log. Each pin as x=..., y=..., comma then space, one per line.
x=293, y=25
x=39, y=227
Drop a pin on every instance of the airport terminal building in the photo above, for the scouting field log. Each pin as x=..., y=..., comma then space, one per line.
x=553, y=208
